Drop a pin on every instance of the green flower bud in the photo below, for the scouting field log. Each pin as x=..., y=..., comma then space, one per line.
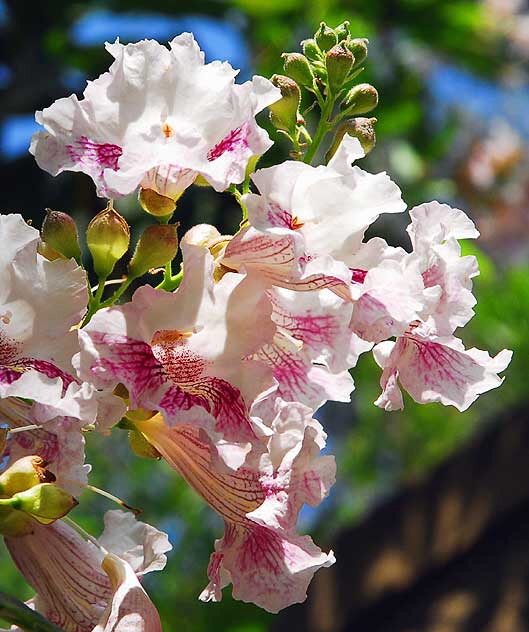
x=60, y=232
x=342, y=31
x=359, y=49
x=284, y=113
x=141, y=447
x=157, y=246
x=155, y=203
x=108, y=237
x=297, y=67
x=361, y=128
x=45, y=502
x=310, y=49
x=325, y=37
x=24, y=474
x=360, y=99
x=339, y=61
x=14, y=523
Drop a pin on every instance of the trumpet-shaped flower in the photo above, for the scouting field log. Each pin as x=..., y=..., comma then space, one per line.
x=86, y=588
x=40, y=302
x=192, y=348
x=157, y=119
x=309, y=214
x=261, y=554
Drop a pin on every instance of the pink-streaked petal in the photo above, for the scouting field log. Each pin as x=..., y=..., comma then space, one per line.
x=390, y=297
x=191, y=453
x=72, y=589
x=320, y=320
x=299, y=380
x=441, y=370
x=252, y=249
x=176, y=111
x=266, y=568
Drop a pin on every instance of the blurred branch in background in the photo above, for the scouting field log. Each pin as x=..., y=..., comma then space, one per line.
x=449, y=553
x=452, y=125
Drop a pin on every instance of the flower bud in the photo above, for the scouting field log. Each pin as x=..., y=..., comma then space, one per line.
x=157, y=246
x=339, y=61
x=14, y=524
x=141, y=447
x=45, y=502
x=360, y=99
x=310, y=49
x=342, y=31
x=359, y=49
x=284, y=113
x=325, y=37
x=155, y=203
x=201, y=235
x=108, y=237
x=60, y=232
x=297, y=67
x=24, y=474
x=361, y=128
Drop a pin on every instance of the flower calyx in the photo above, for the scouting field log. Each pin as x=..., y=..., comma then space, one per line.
x=28, y=493
x=108, y=238
x=156, y=247
x=59, y=233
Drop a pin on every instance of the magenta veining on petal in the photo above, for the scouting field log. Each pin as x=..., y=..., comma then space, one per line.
x=236, y=139
x=87, y=152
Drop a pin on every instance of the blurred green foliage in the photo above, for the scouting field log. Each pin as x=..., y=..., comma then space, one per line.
x=376, y=451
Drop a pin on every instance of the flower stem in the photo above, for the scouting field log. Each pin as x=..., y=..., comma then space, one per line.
x=94, y=302
x=238, y=196
x=17, y=613
x=171, y=282
x=117, y=294
x=323, y=128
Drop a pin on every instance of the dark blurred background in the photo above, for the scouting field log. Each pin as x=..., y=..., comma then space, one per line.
x=429, y=517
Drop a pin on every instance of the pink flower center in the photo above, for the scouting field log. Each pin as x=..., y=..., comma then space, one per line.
x=181, y=365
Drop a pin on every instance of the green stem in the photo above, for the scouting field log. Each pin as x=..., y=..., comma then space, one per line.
x=238, y=196
x=171, y=283
x=323, y=128
x=94, y=302
x=17, y=613
x=117, y=294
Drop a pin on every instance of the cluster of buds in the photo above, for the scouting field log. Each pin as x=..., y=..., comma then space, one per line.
x=328, y=68
x=108, y=241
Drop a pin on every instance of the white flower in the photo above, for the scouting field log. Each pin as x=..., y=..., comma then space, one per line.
x=157, y=119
